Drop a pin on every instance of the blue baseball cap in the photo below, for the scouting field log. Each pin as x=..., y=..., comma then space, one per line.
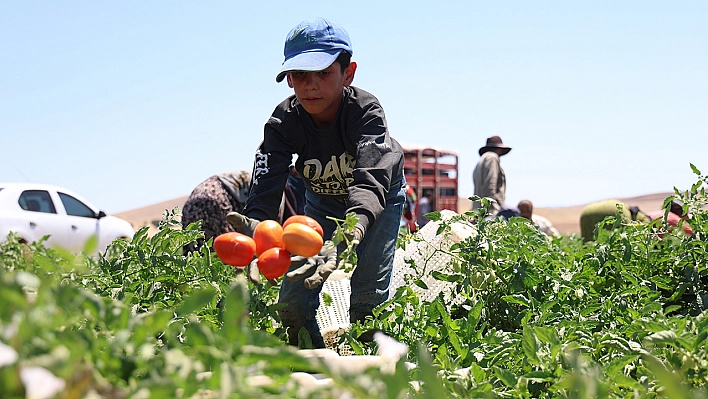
x=313, y=45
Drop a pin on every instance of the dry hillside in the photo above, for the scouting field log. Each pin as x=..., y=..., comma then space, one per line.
x=565, y=219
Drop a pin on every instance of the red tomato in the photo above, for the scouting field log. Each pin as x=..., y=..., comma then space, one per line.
x=268, y=234
x=306, y=220
x=300, y=239
x=274, y=262
x=235, y=249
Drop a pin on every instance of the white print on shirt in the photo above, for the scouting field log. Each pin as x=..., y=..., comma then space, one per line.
x=333, y=178
x=381, y=147
x=260, y=166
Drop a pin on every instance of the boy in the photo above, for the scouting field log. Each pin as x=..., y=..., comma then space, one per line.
x=349, y=163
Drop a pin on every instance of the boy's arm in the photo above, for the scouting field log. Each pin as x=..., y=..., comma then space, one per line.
x=271, y=169
x=379, y=160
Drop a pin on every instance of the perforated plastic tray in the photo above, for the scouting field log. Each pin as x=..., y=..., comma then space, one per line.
x=429, y=252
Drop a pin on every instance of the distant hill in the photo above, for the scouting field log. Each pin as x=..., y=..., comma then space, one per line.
x=565, y=219
x=152, y=214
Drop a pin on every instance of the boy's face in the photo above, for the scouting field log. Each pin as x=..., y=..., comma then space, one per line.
x=320, y=93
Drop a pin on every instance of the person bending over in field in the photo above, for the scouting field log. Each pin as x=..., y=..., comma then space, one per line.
x=675, y=216
x=525, y=208
x=213, y=199
x=596, y=212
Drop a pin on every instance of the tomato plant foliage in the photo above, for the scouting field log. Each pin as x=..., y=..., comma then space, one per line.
x=629, y=308
x=525, y=316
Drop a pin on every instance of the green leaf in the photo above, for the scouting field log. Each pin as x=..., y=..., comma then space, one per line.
x=590, y=309
x=434, y=216
x=421, y=284
x=453, y=278
x=196, y=301
x=529, y=345
x=546, y=306
x=547, y=334
x=666, y=336
x=474, y=315
x=623, y=381
x=700, y=338
x=354, y=343
x=617, y=366
x=695, y=170
x=91, y=244
x=327, y=299
x=461, y=349
x=672, y=308
x=517, y=299
x=506, y=377
x=304, y=340
x=429, y=375
x=152, y=325
x=442, y=311
x=539, y=376
x=478, y=373
x=673, y=386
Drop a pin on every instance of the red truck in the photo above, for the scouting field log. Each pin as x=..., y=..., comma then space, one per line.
x=435, y=170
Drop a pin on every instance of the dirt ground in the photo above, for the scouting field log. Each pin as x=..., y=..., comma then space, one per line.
x=565, y=219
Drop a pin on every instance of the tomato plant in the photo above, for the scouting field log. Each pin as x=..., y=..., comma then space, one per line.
x=268, y=234
x=274, y=262
x=306, y=220
x=521, y=316
x=300, y=239
x=235, y=249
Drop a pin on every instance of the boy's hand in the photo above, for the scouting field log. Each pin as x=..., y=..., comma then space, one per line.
x=317, y=267
x=242, y=224
x=254, y=273
x=323, y=264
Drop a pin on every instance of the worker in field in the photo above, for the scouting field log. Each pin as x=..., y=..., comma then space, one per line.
x=544, y=225
x=675, y=216
x=349, y=163
x=408, y=221
x=214, y=198
x=211, y=200
x=596, y=212
x=425, y=206
x=488, y=176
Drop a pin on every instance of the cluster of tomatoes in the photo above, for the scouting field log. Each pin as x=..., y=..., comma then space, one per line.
x=272, y=244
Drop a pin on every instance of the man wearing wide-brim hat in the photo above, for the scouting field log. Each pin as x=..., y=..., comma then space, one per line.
x=488, y=176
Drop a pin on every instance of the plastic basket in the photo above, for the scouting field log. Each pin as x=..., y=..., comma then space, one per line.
x=429, y=251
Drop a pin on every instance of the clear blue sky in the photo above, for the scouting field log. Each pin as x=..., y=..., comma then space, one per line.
x=130, y=103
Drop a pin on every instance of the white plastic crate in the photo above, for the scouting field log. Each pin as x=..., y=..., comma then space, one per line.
x=333, y=319
x=430, y=253
x=337, y=313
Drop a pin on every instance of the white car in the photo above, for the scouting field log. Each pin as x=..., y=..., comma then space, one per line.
x=33, y=211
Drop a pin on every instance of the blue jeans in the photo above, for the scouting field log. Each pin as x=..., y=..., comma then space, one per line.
x=371, y=277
